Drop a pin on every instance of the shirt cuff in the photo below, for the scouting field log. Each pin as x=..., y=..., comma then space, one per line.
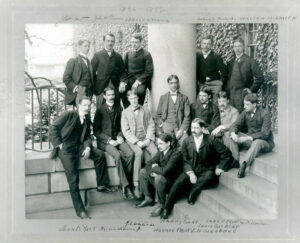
x=74, y=90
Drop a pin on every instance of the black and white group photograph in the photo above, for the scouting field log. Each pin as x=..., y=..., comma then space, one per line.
x=151, y=121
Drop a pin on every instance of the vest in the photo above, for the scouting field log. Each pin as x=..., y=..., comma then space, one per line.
x=140, y=133
x=85, y=76
x=235, y=79
x=172, y=112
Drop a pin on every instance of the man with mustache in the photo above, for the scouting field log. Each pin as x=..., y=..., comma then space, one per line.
x=78, y=76
x=108, y=68
x=245, y=76
x=205, y=109
x=70, y=138
x=202, y=155
x=139, y=131
x=211, y=71
x=173, y=111
x=107, y=129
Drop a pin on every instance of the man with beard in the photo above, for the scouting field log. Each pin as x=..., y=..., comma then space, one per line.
x=160, y=173
x=139, y=131
x=108, y=68
x=211, y=71
x=70, y=138
x=107, y=129
x=78, y=76
x=259, y=137
x=173, y=111
x=138, y=70
x=206, y=110
x=245, y=76
x=202, y=157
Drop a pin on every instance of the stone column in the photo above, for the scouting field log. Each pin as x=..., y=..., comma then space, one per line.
x=173, y=49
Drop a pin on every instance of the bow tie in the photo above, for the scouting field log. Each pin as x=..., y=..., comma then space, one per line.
x=136, y=109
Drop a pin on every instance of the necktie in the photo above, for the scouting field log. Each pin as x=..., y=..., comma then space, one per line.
x=136, y=109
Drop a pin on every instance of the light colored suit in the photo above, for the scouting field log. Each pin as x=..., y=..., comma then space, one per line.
x=128, y=126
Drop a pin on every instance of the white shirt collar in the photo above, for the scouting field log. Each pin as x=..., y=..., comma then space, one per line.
x=239, y=57
x=81, y=117
x=109, y=104
x=109, y=52
x=206, y=54
x=174, y=93
x=198, y=141
x=83, y=55
x=166, y=151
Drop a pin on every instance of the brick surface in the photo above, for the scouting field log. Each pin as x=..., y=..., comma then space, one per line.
x=35, y=184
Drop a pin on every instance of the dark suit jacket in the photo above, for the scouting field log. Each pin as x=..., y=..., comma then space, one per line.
x=212, y=67
x=106, y=68
x=258, y=126
x=210, y=114
x=212, y=153
x=63, y=127
x=72, y=76
x=138, y=66
x=183, y=110
x=170, y=165
x=250, y=72
x=104, y=127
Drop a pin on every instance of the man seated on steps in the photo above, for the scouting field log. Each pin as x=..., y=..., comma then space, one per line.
x=173, y=111
x=107, y=129
x=258, y=138
x=160, y=173
x=203, y=156
x=70, y=138
x=138, y=129
x=206, y=110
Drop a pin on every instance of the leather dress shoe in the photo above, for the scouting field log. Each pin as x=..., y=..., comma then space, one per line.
x=157, y=211
x=127, y=194
x=83, y=215
x=104, y=189
x=136, y=192
x=242, y=170
x=145, y=203
x=191, y=202
x=165, y=214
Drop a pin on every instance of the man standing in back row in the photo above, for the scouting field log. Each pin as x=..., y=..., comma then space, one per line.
x=211, y=71
x=245, y=75
x=138, y=70
x=108, y=67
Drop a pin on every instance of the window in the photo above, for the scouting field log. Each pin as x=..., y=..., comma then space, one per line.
x=252, y=37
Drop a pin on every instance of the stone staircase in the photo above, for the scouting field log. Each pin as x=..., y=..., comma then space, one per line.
x=252, y=197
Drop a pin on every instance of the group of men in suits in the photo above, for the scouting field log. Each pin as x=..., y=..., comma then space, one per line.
x=189, y=145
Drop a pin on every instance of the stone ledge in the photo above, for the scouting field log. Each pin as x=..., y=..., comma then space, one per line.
x=36, y=184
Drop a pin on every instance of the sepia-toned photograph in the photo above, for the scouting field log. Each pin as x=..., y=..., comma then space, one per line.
x=151, y=121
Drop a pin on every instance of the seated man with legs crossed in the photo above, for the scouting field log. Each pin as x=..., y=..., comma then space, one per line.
x=138, y=129
x=160, y=173
x=259, y=137
x=107, y=129
x=201, y=155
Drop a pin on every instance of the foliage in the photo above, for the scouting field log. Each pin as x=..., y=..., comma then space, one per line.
x=122, y=32
x=266, y=50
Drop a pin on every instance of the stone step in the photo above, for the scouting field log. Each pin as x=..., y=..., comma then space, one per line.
x=183, y=211
x=265, y=165
x=62, y=200
x=255, y=188
x=230, y=205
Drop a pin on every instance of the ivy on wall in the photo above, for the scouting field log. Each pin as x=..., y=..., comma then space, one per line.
x=122, y=32
x=266, y=55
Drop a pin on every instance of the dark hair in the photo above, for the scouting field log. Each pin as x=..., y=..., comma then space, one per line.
x=83, y=97
x=132, y=92
x=240, y=40
x=80, y=42
x=251, y=98
x=222, y=94
x=173, y=76
x=205, y=90
x=200, y=122
x=109, y=34
x=208, y=37
x=108, y=89
x=166, y=137
x=137, y=36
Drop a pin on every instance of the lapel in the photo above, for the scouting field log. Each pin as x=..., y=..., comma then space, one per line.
x=178, y=101
x=84, y=130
